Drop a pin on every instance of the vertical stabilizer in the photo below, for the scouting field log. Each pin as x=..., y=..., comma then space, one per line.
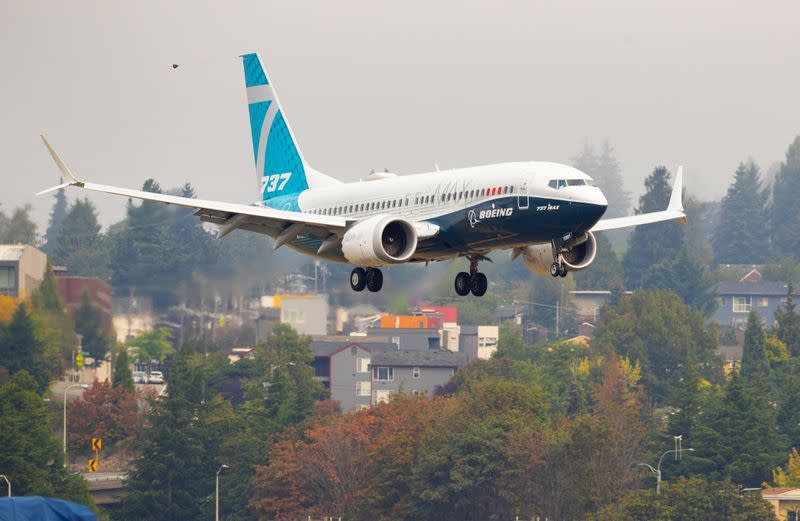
x=282, y=172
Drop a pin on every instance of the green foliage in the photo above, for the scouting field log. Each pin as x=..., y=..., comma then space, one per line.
x=740, y=236
x=606, y=172
x=57, y=215
x=785, y=210
x=29, y=454
x=788, y=411
x=79, y=245
x=692, y=499
x=687, y=277
x=19, y=229
x=21, y=348
x=736, y=436
x=662, y=333
x=153, y=344
x=755, y=365
x=122, y=375
x=89, y=323
x=606, y=271
x=649, y=245
x=53, y=324
x=788, y=322
x=785, y=269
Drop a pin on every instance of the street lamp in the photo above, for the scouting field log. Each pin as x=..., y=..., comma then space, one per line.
x=216, y=495
x=83, y=386
x=657, y=470
x=7, y=483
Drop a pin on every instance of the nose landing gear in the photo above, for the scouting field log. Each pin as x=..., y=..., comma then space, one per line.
x=558, y=268
x=474, y=281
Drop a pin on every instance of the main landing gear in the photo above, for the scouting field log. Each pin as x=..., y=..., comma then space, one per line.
x=474, y=281
x=370, y=278
x=558, y=268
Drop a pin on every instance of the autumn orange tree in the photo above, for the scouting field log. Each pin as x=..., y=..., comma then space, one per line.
x=110, y=413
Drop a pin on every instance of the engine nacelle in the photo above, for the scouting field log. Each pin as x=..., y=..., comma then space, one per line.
x=576, y=256
x=379, y=240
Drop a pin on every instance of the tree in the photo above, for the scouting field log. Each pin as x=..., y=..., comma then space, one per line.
x=692, y=499
x=785, y=210
x=52, y=321
x=154, y=344
x=687, y=277
x=122, y=375
x=606, y=271
x=788, y=322
x=103, y=411
x=660, y=332
x=22, y=349
x=89, y=324
x=19, y=229
x=741, y=235
x=649, y=245
x=28, y=452
x=791, y=476
x=755, y=366
x=57, y=216
x=80, y=246
x=788, y=411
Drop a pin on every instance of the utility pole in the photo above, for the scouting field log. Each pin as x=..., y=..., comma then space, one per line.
x=216, y=494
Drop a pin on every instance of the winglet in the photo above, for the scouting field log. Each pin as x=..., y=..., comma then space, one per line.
x=676, y=199
x=72, y=180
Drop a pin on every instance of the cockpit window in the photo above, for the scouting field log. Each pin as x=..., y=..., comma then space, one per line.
x=563, y=183
x=576, y=182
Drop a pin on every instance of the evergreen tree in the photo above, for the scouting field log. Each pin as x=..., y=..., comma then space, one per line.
x=53, y=322
x=738, y=437
x=741, y=235
x=46, y=297
x=651, y=244
x=122, y=371
x=687, y=277
x=89, y=323
x=788, y=411
x=80, y=246
x=22, y=349
x=19, y=229
x=788, y=322
x=608, y=176
x=57, y=216
x=606, y=271
x=785, y=210
x=29, y=454
x=755, y=366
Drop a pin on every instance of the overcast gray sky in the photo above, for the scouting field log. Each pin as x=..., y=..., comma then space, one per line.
x=370, y=84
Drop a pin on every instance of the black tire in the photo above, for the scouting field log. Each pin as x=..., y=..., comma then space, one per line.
x=358, y=279
x=374, y=279
x=479, y=284
x=555, y=269
x=462, y=284
x=564, y=271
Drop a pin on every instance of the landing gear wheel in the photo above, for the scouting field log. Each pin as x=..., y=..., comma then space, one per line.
x=478, y=284
x=462, y=284
x=374, y=279
x=555, y=269
x=564, y=271
x=358, y=279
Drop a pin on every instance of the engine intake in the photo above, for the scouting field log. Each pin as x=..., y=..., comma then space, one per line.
x=576, y=255
x=379, y=240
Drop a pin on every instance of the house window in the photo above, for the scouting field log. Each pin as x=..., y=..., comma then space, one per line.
x=415, y=372
x=383, y=374
x=742, y=304
x=363, y=388
x=362, y=365
x=763, y=302
x=7, y=276
x=381, y=397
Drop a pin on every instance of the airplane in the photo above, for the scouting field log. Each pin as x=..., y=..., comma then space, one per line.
x=545, y=212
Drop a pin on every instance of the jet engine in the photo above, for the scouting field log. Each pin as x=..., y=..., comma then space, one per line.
x=379, y=240
x=576, y=254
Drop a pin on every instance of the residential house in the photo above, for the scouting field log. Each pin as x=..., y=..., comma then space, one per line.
x=478, y=342
x=22, y=269
x=412, y=372
x=307, y=314
x=785, y=501
x=735, y=300
x=410, y=338
x=341, y=363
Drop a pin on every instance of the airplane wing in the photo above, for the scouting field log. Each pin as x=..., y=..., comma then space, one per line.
x=282, y=225
x=674, y=211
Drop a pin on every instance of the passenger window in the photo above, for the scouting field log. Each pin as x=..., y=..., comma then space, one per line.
x=511, y=190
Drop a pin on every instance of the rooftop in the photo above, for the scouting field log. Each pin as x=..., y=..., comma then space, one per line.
x=12, y=252
x=327, y=345
x=432, y=358
x=751, y=288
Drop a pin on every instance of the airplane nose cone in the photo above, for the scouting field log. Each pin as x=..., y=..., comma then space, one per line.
x=595, y=196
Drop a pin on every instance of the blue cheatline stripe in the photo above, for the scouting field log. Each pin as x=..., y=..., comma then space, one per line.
x=253, y=72
x=257, y=113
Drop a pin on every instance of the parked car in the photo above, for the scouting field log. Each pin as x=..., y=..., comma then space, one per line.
x=155, y=377
x=139, y=377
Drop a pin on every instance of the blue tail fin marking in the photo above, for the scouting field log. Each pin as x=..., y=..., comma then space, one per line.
x=279, y=165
